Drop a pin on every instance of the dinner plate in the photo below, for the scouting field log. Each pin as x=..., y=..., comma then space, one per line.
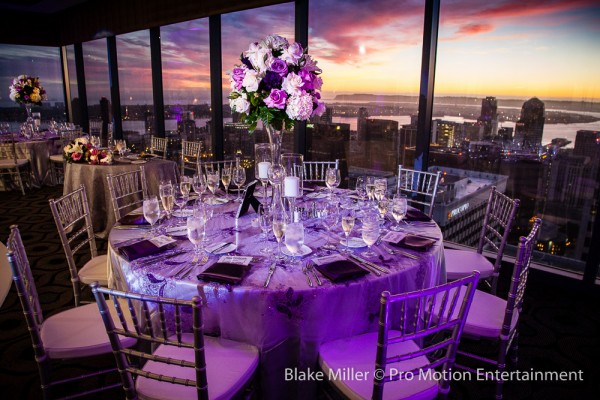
x=138, y=162
x=304, y=250
x=354, y=242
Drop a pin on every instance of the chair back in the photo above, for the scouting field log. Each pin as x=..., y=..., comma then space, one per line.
x=26, y=290
x=156, y=321
x=314, y=171
x=127, y=191
x=158, y=144
x=420, y=187
x=190, y=156
x=216, y=166
x=8, y=149
x=498, y=221
x=519, y=278
x=74, y=224
x=424, y=316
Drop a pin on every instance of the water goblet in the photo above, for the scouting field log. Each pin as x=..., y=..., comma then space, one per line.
x=239, y=178
x=370, y=187
x=294, y=239
x=185, y=185
x=265, y=221
x=180, y=199
x=332, y=179
x=329, y=215
x=370, y=234
x=151, y=211
x=226, y=179
x=348, y=219
x=195, y=232
x=199, y=185
x=383, y=205
x=212, y=181
x=361, y=190
x=399, y=208
x=279, y=224
x=165, y=191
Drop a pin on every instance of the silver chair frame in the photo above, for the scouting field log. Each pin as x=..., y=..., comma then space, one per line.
x=419, y=186
x=158, y=144
x=127, y=191
x=314, y=171
x=8, y=152
x=74, y=223
x=190, y=156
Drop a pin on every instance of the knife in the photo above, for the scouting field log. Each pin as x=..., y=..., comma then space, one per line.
x=221, y=247
x=365, y=266
x=370, y=264
x=270, y=274
x=160, y=257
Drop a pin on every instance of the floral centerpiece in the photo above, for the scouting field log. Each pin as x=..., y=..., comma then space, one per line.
x=27, y=90
x=80, y=150
x=98, y=156
x=277, y=83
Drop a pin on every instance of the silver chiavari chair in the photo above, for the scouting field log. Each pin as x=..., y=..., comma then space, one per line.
x=74, y=224
x=158, y=144
x=67, y=335
x=314, y=171
x=12, y=166
x=415, y=316
x=190, y=156
x=497, y=320
x=127, y=191
x=498, y=221
x=420, y=187
x=183, y=365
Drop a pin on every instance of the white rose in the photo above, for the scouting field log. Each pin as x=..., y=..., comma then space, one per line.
x=68, y=149
x=259, y=56
x=292, y=83
x=240, y=104
x=275, y=42
x=251, y=81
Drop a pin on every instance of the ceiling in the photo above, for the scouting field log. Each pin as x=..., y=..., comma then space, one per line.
x=39, y=6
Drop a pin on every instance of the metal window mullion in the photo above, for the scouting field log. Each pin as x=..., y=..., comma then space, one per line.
x=157, y=82
x=216, y=85
x=113, y=80
x=66, y=82
x=81, y=87
x=301, y=36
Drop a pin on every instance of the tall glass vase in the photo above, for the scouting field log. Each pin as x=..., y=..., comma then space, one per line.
x=276, y=171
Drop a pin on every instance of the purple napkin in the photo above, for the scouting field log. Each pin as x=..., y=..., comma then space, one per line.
x=341, y=270
x=225, y=273
x=415, y=243
x=133, y=219
x=142, y=248
x=416, y=215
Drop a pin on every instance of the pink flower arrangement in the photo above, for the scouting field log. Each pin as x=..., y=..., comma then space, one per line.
x=80, y=151
x=27, y=90
x=277, y=83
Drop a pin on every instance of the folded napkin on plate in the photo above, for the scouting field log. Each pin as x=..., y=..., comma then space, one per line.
x=142, y=248
x=416, y=215
x=414, y=242
x=341, y=270
x=133, y=219
x=225, y=273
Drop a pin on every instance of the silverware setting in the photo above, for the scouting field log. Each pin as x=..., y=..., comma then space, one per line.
x=365, y=266
x=370, y=265
x=270, y=274
x=187, y=269
x=310, y=266
x=150, y=260
x=305, y=271
x=221, y=247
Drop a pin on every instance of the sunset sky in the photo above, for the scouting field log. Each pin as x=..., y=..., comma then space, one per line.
x=512, y=48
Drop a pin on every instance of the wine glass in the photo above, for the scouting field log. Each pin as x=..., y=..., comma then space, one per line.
x=399, y=208
x=212, y=181
x=185, y=185
x=226, y=179
x=370, y=187
x=332, y=179
x=279, y=223
x=383, y=206
x=348, y=218
x=195, y=232
x=294, y=239
x=380, y=188
x=199, y=185
x=370, y=234
x=239, y=178
x=180, y=199
x=329, y=215
x=361, y=190
x=265, y=221
x=165, y=191
x=151, y=211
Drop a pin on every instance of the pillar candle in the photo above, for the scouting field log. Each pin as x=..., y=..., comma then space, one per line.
x=291, y=186
x=263, y=169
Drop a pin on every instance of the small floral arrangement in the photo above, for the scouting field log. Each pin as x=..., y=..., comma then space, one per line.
x=98, y=156
x=78, y=151
x=277, y=83
x=27, y=90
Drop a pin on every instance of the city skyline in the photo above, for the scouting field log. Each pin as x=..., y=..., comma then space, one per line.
x=527, y=48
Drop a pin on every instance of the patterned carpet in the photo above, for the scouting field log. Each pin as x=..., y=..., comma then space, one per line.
x=560, y=325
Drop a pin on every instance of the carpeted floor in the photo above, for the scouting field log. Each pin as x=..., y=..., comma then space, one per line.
x=560, y=325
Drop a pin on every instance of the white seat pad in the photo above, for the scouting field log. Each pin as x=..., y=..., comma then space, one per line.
x=57, y=158
x=78, y=332
x=11, y=163
x=460, y=263
x=95, y=270
x=357, y=354
x=230, y=366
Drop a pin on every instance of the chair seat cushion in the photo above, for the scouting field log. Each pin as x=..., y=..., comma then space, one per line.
x=79, y=332
x=59, y=158
x=230, y=366
x=95, y=270
x=357, y=354
x=11, y=163
x=461, y=263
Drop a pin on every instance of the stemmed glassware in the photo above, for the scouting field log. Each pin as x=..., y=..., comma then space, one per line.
x=294, y=239
x=370, y=187
x=348, y=219
x=279, y=224
x=332, y=179
x=383, y=205
x=212, y=181
x=199, y=185
x=361, y=190
x=180, y=199
x=329, y=215
x=226, y=179
x=263, y=161
x=265, y=220
x=195, y=230
x=380, y=188
x=166, y=193
x=239, y=178
x=151, y=211
x=185, y=185
x=399, y=208
x=370, y=233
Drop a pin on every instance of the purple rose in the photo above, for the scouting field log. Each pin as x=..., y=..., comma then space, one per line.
x=271, y=80
x=276, y=99
x=247, y=62
x=238, y=76
x=279, y=66
x=307, y=78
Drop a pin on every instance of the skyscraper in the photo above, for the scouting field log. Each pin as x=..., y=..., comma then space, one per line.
x=489, y=116
x=530, y=127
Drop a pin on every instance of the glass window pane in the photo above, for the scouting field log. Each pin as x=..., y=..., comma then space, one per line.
x=73, y=87
x=516, y=106
x=37, y=61
x=371, y=70
x=239, y=30
x=186, y=82
x=135, y=85
x=95, y=62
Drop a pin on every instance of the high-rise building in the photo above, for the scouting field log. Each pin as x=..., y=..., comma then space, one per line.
x=587, y=143
x=489, y=116
x=530, y=127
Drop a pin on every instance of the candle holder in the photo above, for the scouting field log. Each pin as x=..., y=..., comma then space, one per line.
x=263, y=161
x=293, y=164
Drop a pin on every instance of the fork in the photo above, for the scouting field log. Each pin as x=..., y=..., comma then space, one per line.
x=311, y=267
x=305, y=270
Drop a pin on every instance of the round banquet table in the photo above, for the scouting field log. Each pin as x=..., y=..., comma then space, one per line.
x=93, y=177
x=288, y=320
x=38, y=152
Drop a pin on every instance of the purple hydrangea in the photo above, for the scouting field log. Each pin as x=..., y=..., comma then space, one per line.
x=271, y=80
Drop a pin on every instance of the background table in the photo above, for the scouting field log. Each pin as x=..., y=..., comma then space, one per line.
x=5, y=274
x=288, y=320
x=93, y=177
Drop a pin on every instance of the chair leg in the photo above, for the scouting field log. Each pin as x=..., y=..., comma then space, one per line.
x=514, y=349
x=20, y=181
x=501, y=367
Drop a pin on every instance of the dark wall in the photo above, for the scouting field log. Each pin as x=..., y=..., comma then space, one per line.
x=100, y=18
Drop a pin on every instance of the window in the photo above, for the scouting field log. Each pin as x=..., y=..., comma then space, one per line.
x=95, y=61
x=43, y=62
x=513, y=109
x=73, y=87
